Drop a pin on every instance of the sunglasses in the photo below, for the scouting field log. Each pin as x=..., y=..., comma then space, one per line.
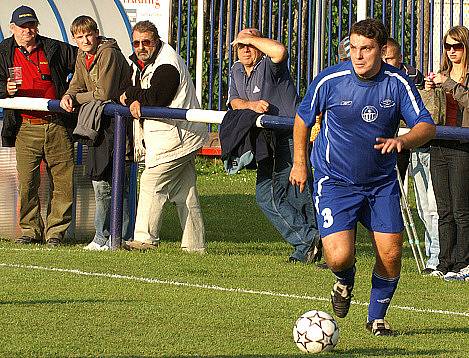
x=456, y=47
x=145, y=43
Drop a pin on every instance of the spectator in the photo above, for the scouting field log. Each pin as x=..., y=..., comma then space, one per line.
x=101, y=74
x=393, y=57
x=420, y=167
x=261, y=81
x=160, y=78
x=354, y=161
x=449, y=164
x=38, y=135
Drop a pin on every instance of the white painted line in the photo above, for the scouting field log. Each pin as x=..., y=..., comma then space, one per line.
x=216, y=288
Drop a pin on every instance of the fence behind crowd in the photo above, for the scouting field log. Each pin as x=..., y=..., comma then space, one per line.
x=311, y=30
x=9, y=199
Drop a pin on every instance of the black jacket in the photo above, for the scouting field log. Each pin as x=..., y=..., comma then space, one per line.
x=242, y=142
x=61, y=57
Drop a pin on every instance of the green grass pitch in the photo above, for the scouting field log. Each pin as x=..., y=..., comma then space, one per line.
x=241, y=299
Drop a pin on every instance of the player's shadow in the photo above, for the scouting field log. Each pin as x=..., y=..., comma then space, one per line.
x=58, y=302
x=438, y=331
x=387, y=352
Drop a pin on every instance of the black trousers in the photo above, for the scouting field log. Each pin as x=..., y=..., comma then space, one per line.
x=449, y=167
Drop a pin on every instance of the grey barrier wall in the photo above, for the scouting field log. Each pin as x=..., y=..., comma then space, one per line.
x=82, y=226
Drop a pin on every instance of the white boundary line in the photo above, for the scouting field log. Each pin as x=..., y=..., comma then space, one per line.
x=214, y=287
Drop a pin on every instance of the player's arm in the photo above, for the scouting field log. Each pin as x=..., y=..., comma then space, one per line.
x=299, y=172
x=420, y=134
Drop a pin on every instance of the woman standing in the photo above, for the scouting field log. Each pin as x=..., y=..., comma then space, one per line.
x=449, y=163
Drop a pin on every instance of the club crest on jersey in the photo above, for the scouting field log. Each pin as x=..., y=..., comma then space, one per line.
x=387, y=103
x=369, y=114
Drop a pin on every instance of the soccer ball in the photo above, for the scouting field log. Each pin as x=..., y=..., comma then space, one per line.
x=315, y=332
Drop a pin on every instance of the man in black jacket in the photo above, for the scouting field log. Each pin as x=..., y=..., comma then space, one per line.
x=38, y=135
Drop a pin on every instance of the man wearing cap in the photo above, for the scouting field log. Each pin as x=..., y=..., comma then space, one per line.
x=261, y=81
x=160, y=78
x=38, y=135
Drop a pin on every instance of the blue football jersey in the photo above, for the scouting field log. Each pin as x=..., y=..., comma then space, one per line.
x=355, y=113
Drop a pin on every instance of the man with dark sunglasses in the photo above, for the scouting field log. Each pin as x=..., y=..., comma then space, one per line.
x=161, y=78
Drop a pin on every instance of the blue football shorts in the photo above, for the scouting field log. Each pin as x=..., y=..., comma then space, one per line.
x=340, y=205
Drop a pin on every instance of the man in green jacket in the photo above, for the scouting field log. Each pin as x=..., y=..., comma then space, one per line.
x=101, y=73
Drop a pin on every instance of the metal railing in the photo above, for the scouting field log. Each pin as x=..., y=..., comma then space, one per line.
x=121, y=113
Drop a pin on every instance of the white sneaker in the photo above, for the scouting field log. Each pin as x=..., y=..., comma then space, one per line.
x=436, y=273
x=454, y=276
x=465, y=270
x=93, y=246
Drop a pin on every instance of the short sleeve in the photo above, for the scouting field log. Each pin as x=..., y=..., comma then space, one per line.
x=313, y=103
x=412, y=108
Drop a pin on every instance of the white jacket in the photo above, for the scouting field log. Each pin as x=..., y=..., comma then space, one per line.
x=167, y=140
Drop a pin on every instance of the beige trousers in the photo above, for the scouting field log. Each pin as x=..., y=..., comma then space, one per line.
x=174, y=181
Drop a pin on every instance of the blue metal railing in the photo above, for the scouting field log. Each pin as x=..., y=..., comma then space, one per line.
x=122, y=113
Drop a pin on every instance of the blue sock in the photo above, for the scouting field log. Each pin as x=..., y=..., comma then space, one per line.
x=382, y=290
x=347, y=276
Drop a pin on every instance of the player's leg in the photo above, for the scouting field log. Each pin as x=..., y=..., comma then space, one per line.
x=382, y=216
x=338, y=206
x=384, y=280
x=339, y=252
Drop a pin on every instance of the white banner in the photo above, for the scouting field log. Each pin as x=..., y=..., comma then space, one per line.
x=156, y=11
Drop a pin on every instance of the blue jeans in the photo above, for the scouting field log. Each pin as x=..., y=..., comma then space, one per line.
x=102, y=194
x=291, y=212
x=426, y=203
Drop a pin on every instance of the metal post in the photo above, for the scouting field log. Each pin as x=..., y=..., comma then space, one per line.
x=117, y=181
x=200, y=50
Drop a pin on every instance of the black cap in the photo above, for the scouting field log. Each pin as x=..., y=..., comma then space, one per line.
x=22, y=15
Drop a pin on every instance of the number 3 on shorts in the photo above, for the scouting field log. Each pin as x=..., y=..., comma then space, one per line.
x=328, y=218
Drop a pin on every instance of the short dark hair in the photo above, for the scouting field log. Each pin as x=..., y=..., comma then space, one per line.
x=146, y=26
x=372, y=29
x=393, y=43
x=83, y=24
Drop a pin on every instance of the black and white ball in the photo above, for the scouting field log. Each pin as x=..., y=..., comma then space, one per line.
x=315, y=332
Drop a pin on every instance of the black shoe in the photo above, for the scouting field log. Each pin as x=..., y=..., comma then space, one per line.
x=314, y=253
x=427, y=271
x=341, y=297
x=53, y=242
x=379, y=327
x=293, y=260
x=322, y=266
x=26, y=240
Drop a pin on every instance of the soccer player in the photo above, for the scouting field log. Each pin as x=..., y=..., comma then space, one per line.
x=354, y=156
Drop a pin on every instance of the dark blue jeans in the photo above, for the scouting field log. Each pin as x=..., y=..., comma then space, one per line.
x=449, y=167
x=291, y=212
x=102, y=193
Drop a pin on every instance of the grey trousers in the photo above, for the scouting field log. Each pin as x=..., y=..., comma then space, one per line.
x=174, y=181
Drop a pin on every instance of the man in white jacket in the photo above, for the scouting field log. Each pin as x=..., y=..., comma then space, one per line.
x=160, y=78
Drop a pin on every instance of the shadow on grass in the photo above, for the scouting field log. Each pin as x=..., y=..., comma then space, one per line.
x=440, y=331
x=58, y=302
x=359, y=352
